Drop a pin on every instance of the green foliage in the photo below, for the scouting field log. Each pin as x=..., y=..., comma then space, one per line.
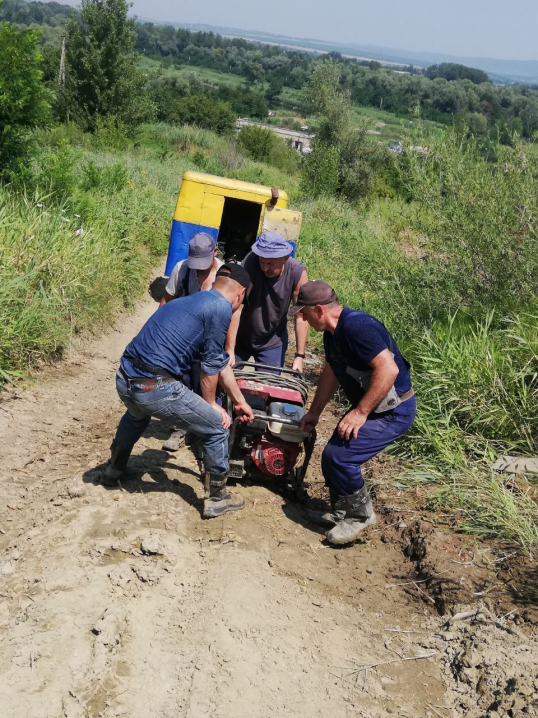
x=475, y=373
x=101, y=78
x=452, y=71
x=24, y=102
x=482, y=216
x=257, y=142
x=343, y=160
x=201, y=111
x=263, y=145
x=454, y=89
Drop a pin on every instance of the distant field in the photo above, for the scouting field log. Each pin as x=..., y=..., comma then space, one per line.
x=212, y=76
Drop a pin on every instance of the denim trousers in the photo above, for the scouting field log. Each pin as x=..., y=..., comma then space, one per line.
x=341, y=460
x=173, y=401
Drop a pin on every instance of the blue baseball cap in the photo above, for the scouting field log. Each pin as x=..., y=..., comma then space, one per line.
x=201, y=251
x=270, y=245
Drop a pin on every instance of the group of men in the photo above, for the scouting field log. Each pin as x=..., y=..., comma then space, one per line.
x=222, y=314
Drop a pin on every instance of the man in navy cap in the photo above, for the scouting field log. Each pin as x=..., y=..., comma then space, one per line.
x=363, y=358
x=261, y=331
x=194, y=274
x=148, y=381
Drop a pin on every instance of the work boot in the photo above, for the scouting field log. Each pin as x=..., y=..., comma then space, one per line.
x=116, y=465
x=175, y=441
x=220, y=500
x=324, y=518
x=353, y=513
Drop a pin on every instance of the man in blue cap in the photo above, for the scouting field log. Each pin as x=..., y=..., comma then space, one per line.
x=194, y=274
x=261, y=331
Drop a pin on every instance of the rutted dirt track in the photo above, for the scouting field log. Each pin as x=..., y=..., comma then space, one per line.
x=125, y=603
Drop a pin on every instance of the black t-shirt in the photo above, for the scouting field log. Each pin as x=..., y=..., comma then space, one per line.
x=357, y=339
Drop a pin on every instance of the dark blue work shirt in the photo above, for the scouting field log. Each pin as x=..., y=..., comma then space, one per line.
x=357, y=339
x=181, y=331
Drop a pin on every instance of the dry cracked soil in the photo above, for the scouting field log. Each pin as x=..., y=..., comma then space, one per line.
x=123, y=602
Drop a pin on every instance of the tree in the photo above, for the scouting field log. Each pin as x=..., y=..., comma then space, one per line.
x=24, y=101
x=453, y=71
x=202, y=111
x=101, y=77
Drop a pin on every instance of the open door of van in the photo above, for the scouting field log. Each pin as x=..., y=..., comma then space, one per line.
x=286, y=222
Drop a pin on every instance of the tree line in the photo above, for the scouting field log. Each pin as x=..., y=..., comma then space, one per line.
x=445, y=91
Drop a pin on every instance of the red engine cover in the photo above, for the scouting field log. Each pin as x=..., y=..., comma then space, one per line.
x=274, y=457
x=270, y=392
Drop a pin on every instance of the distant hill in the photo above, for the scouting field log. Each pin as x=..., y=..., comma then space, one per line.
x=501, y=71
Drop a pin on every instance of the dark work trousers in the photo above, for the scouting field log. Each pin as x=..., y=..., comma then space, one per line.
x=341, y=460
x=192, y=379
x=273, y=357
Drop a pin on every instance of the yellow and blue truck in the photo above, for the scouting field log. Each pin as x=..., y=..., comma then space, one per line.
x=231, y=211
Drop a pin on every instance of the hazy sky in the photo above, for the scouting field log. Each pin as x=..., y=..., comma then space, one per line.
x=493, y=28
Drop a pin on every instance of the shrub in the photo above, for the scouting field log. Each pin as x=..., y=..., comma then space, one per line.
x=201, y=111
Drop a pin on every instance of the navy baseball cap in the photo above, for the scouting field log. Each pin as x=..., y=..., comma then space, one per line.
x=201, y=251
x=270, y=245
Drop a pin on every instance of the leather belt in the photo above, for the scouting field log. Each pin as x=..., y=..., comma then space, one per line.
x=407, y=395
x=147, y=383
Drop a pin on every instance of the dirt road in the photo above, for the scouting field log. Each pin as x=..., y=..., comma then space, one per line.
x=125, y=603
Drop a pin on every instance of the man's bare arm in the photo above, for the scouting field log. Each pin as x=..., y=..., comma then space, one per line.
x=166, y=298
x=301, y=326
x=327, y=385
x=231, y=336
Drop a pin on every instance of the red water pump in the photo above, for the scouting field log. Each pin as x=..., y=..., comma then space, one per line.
x=274, y=457
x=271, y=444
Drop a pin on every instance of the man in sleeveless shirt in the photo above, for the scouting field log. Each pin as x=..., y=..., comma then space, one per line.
x=261, y=330
x=363, y=358
x=194, y=274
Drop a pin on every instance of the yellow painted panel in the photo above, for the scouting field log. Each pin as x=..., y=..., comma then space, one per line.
x=225, y=183
x=286, y=222
x=201, y=197
x=189, y=203
x=212, y=207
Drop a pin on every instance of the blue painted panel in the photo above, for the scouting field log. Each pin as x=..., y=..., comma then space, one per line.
x=180, y=235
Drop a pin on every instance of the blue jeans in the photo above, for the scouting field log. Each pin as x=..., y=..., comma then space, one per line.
x=172, y=400
x=341, y=460
x=274, y=357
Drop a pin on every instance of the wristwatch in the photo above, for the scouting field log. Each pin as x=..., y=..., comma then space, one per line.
x=299, y=356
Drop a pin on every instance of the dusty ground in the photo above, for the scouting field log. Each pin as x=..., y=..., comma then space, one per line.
x=125, y=603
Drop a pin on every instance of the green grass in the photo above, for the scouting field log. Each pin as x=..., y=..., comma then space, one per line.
x=122, y=191
x=476, y=381
x=205, y=74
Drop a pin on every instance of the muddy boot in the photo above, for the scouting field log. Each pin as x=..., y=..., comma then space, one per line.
x=327, y=519
x=353, y=513
x=116, y=465
x=176, y=440
x=220, y=500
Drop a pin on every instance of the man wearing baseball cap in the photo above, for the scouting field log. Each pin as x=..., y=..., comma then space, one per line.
x=197, y=272
x=194, y=274
x=149, y=383
x=261, y=330
x=363, y=358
